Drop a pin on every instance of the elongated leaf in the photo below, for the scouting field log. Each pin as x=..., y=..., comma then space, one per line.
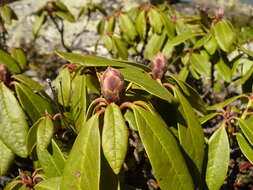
x=218, y=159
x=129, y=117
x=245, y=77
x=245, y=147
x=33, y=85
x=211, y=45
x=10, y=62
x=7, y=14
x=191, y=138
x=110, y=25
x=154, y=45
x=19, y=55
x=200, y=64
x=32, y=137
x=45, y=132
x=248, y=52
x=120, y=47
x=82, y=169
x=34, y=105
x=96, y=61
x=51, y=162
x=141, y=24
x=207, y=117
x=65, y=15
x=38, y=23
x=169, y=26
x=13, y=124
x=247, y=129
x=224, y=71
x=225, y=103
x=6, y=158
x=163, y=151
x=127, y=26
x=114, y=137
x=108, y=42
x=155, y=21
x=49, y=184
x=224, y=34
x=150, y=85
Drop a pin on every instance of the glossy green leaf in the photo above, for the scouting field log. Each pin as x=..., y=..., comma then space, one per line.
x=96, y=61
x=6, y=158
x=108, y=42
x=101, y=27
x=110, y=25
x=141, y=24
x=82, y=169
x=64, y=12
x=192, y=137
x=223, y=71
x=38, y=23
x=79, y=100
x=13, y=185
x=129, y=117
x=154, y=45
x=19, y=55
x=160, y=143
x=120, y=47
x=155, y=21
x=169, y=26
x=146, y=82
x=245, y=147
x=49, y=184
x=218, y=159
x=246, y=127
x=6, y=59
x=32, y=137
x=13, y=124
x=33, y=104
x=127, y=26
x=32, y=84
x=201, y=64
x=114, y=137
x=45, y=132
x=207, y=117
x=201, y=42
x=224, y=34
x=225, y=103
x=7, y=14
x=52, y=161
x=211, y=45
x=64, y=88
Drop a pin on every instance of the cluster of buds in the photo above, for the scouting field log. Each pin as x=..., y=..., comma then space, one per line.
x=112, y=85
x=158, y=66
x=4, y=74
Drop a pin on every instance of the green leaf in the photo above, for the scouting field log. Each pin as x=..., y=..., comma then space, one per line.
x=101, y=27
x=64, y=12
x=33, y=85
x=127, y=27
x=200, y=63
x=7, y=14
x=52, y=162
x=141, y=24
x=10, y=62
x=129, y=117
x=192, y=137
x=163, y=151
x=155, y=21
x=108, y=42
x=33, y=104
x=207, y=117
x=96, y=61
x=64, y=88
x=246, y=127
x=13, y=185
x=110, y=25
x=45, y=132
x=31, y=139
x=223, y=71
x=168, y=25
x=19, y=55
x=79, y=100
x=146, y=82
x=224, y=103
x=224, y=34
x=49, y=184
x=211, y=45
x=114, y=137
x=248, y=52
x=245, y=77
x=218, y=159
x=82, y=169
x=201, y=42
x=120, y=47
x=154, y=45
x=13, y=124
x=168, y=48
x=245, y=147
x=6, y=158
x=38, y=23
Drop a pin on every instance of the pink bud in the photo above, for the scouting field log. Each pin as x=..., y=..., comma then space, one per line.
x=112, y=85
x=158, y=66
x=219, y=14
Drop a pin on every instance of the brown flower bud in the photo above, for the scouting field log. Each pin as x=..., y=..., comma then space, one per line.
x=4, y=74
x=112, y=85
x=158, y=66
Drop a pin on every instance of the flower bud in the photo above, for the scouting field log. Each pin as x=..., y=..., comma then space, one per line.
x=158, y=66
x=219, y=14
x=4, y=74
x=112, y=85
